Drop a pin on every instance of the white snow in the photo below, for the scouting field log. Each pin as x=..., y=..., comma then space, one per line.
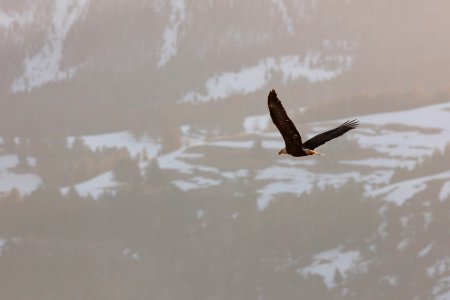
x=176, y=161
x=297, y=181
x=376, y=178
x=171, y=32
x=233, y=175
x=425, y=135
x=251, y=79
x=391, y=279
x=424, y=252
x=399, y=192
x=404, y=220
x=413, y=117
x=95, y=186
x=173, y=161
x=290, y=175
x=7, y=20
x=200, y=213
x=25, y=183
x=133, y=255
x=232, y=144
x=45, y=66
x=121, y=139
x=381, y=230
x=326, y=263
x=8, y=161
x=256, y=124
x=380, y=162
x=428, y=217
x=403, y=244
x=445, y=191
x=2, y=244
x=284, y=15
x=441, y=290
x=439, y=267
x=271, y=144
x=197, y=182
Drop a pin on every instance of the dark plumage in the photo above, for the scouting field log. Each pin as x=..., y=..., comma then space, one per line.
x=292, y=138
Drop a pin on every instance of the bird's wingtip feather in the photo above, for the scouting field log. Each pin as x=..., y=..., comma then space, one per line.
x=272, y=96
x=352, y=123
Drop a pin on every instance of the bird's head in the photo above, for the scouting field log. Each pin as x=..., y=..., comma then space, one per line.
x=282, y=151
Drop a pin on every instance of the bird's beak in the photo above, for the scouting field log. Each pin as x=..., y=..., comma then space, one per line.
x=280, y=152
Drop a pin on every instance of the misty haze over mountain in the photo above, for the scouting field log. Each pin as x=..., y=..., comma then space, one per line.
x=138, y=159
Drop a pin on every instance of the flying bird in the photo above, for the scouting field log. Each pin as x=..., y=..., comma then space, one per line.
x=292, y=138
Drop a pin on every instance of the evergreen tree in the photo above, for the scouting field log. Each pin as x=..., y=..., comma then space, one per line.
x=126, y=170
x=338, y=278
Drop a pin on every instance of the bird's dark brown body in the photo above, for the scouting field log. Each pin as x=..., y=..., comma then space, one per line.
x=299, y=152
x=292, y=138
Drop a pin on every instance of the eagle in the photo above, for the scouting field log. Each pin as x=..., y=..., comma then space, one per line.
x=292, y=138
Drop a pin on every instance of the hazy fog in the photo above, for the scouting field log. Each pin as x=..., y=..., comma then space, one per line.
x=138, y=159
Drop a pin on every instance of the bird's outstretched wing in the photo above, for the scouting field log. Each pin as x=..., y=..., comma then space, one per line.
x=322, y=138
x=280, y=118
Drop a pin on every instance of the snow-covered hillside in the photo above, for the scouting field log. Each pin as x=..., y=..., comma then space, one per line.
x=401, y=140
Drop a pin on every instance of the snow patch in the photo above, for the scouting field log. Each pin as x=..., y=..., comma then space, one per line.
x=424, y=252
x=251, y=79
x=25, y=183
x=170, y=36
x=439, y=267
x=297, y=181
x=200, y=213
x=403, y=244
x=236, y=174
x=133, y=255
x=391, y=279
x=95, y=186
x=379, y=162
x=8, y=161
x=256, y=124
x=425, y=135
x=268, y=144
x=10, y=19
x=399, y=192
x=197, y=182
x=428, y=217
x=2, y=244
x=445, y=191
x=121, y=139
x=173, y=161
x=45, y=66
x=326, y=263
x=441, y=290
x=232, y=144
x=284, y=14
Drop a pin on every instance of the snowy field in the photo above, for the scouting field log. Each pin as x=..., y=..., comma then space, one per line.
x=23, y=182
